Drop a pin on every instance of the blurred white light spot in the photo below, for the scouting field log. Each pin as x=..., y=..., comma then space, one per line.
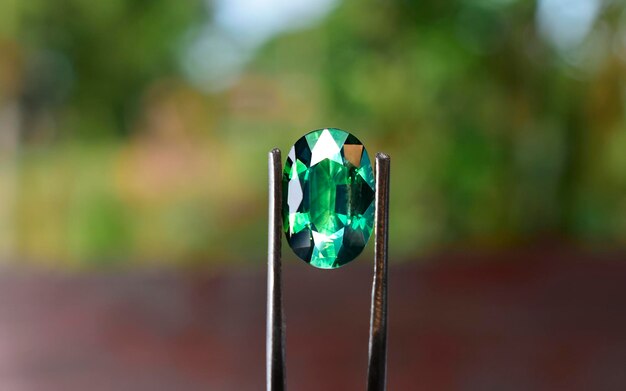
x=217, y=54
x=213, y=60
x=255, y=21
x=566, y=23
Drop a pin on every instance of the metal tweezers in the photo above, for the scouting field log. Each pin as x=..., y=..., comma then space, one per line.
x=275, y=337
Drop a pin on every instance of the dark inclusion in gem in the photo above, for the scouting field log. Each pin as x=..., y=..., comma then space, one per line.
x=328, y=198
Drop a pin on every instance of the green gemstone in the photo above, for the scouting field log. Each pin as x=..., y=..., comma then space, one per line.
x=328, y=198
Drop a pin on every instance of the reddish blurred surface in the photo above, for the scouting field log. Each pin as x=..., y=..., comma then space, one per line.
x=531, y=320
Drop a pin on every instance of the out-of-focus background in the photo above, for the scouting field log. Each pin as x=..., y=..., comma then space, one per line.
x=133, y=210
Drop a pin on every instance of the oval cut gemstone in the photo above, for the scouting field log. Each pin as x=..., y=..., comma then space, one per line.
x=328, y=198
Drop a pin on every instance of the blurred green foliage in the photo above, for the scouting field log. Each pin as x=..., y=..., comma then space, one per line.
x=497, y=136
x=94, y=60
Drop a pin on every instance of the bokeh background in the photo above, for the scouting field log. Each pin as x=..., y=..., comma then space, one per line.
x=133, y=179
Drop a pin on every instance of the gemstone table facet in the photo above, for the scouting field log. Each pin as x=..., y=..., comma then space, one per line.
x=328, y=200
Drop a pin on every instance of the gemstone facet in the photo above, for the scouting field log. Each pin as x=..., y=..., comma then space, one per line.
x=328, y=198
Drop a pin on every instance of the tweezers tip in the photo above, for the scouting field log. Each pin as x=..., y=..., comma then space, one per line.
x=382, y=156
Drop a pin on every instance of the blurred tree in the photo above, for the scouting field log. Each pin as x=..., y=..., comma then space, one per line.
x=89, y=62
x=489, y=124
x=500, y=133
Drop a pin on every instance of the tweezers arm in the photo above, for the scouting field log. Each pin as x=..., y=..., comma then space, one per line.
x=275, y=337
x=377, y=365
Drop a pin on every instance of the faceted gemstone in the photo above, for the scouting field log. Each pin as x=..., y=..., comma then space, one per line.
x=328, y=198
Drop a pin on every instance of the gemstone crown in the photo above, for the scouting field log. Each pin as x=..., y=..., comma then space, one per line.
x=328, y=198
